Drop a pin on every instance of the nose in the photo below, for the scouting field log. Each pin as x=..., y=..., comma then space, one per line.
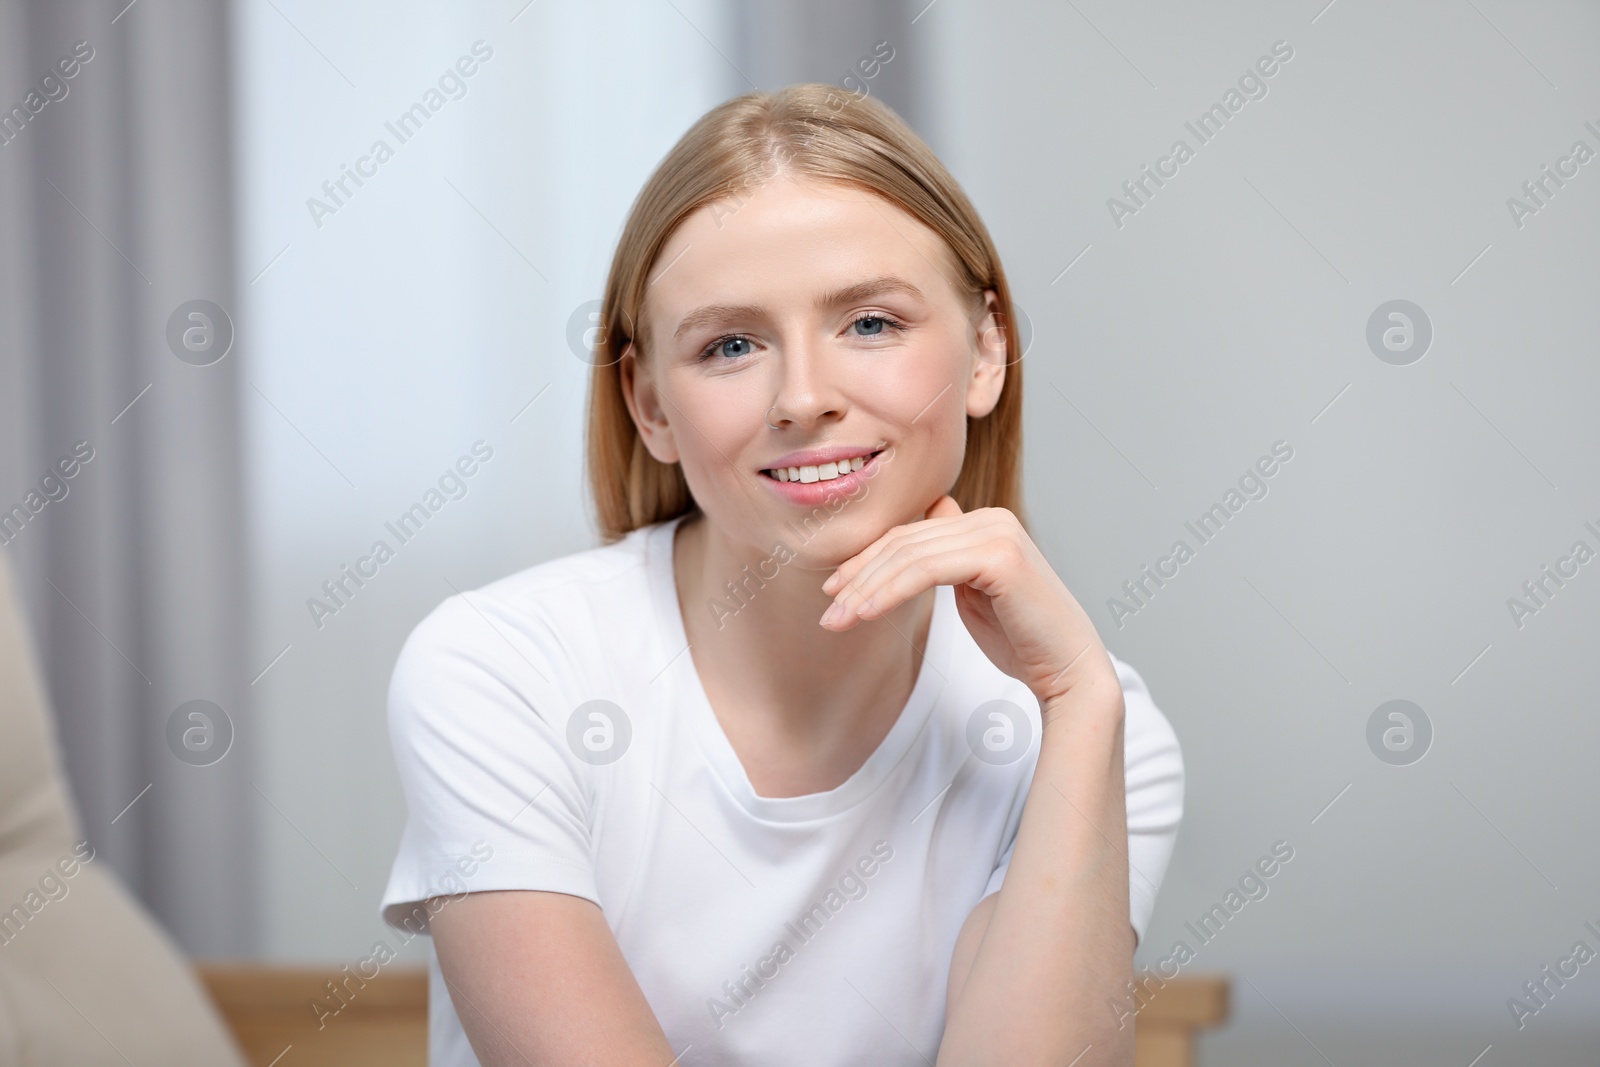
x=808, y=390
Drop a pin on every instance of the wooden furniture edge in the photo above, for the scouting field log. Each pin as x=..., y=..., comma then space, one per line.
x=262, y=987
x=1198, y=1001
x=245, y=988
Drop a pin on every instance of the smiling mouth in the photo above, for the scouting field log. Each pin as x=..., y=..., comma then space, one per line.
x=825, y=472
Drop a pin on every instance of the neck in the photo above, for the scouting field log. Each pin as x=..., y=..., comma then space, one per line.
x=769, y=669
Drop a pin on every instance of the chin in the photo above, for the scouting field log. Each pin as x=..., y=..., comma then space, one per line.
x=819, y=538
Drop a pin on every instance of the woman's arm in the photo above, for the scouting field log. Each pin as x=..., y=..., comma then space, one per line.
x=537, y=978
x=1056, y=945
x=1037, y=964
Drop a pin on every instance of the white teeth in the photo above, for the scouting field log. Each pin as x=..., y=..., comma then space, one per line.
x=825, y=472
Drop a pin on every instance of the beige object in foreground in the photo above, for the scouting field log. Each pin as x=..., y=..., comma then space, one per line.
x=90, y=978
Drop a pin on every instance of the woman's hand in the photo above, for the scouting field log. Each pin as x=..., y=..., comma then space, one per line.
x=1016, y=608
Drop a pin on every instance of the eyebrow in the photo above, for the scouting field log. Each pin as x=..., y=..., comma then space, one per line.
x=848, y=294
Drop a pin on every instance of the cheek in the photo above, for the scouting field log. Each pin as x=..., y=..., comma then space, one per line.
x=925, y=393
x=933, y=363
x=714, y=428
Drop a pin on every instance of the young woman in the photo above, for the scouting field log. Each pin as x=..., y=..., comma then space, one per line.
x=816, y=760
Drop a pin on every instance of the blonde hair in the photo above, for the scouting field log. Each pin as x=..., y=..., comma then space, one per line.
x=823, y=134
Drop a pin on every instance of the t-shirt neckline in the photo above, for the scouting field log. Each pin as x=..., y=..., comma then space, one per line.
x=932, y=675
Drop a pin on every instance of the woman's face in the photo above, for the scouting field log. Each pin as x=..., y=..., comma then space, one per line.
x=836, y=317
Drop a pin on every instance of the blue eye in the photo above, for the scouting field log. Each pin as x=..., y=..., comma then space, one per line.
x=884, y=323
x=716, y=348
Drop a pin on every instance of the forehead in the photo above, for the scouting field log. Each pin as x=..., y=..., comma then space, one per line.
x=782, y=244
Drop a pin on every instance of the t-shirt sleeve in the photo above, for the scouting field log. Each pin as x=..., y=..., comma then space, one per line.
x=1153, y=771
x=495, y=799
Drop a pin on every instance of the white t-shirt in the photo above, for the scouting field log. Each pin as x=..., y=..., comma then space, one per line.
x=812, y=929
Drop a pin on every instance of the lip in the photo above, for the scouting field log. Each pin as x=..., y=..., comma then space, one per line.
x=820, y=492
x=816, y=457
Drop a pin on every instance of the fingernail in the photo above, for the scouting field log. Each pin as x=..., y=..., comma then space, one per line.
x=829, y=615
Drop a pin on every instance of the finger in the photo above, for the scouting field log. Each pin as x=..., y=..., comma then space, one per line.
x=858, y=572
x=897, y=553
x=963, y=563
x=945, y=508
x=847, y=570
x=864, y=597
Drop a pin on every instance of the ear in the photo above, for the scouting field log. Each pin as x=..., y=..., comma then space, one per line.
x=989, y=362
x=644, y=404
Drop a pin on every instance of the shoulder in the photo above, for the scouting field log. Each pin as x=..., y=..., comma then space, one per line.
x=1152, y=756
x=519, y=634
x=544, y=601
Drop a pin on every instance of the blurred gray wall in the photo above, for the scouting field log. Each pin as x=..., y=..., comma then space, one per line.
x=858, y=46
